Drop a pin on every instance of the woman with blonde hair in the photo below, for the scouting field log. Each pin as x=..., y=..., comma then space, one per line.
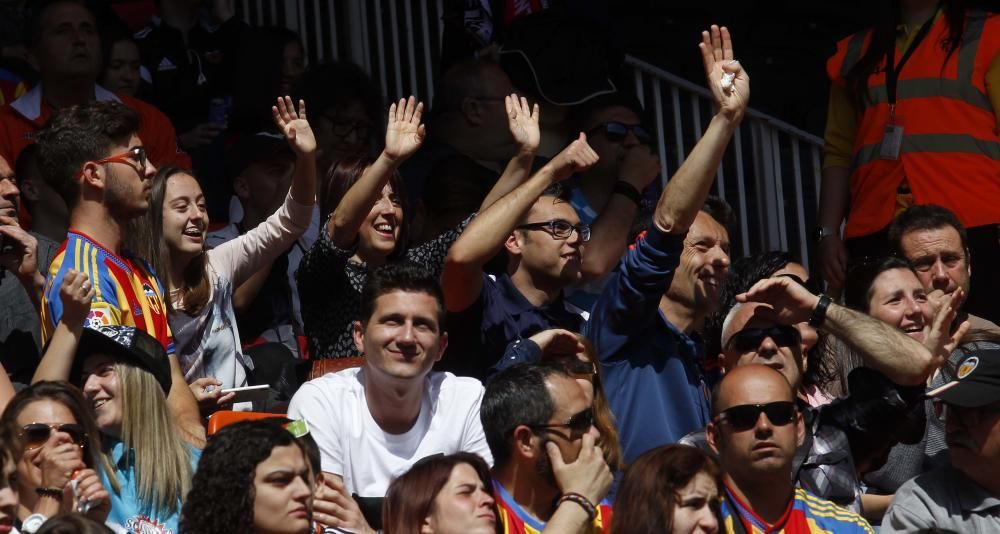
x=125, y=374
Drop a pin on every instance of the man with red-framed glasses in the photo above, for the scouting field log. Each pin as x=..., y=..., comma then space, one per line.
x=93, y=157
x=756, y=429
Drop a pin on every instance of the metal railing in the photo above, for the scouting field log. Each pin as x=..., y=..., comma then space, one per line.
x=771, y=171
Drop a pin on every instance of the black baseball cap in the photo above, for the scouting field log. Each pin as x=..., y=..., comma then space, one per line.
x=127, y=344
x=978, y=381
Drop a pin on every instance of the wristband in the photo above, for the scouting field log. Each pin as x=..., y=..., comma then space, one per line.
x=627, y=190
x=582, y=501
x=55, y=493
x=819, y=312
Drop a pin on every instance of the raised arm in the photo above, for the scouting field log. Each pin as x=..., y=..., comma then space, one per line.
x=522, y=120
x=295, y=127
x=76, y=294
x=403, y=136
x=884, y=347
x=461, y=279
x=247, y=259
x=686, y=192
x=610, y=231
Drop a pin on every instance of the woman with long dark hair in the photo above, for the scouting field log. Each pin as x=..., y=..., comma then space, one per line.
x=253, y=477
x=200, y=282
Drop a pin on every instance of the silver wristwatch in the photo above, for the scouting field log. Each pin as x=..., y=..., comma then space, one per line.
x=32, y=523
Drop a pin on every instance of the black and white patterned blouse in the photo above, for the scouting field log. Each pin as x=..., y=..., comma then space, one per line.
x=330, y=287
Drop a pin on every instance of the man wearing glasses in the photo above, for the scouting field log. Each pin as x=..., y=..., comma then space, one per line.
x=544, y=239
x=964, y=495
x=547, y=472
x=756, y=429
x=608, y=196
x=92, y=156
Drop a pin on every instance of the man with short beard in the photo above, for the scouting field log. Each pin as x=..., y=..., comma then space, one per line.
x=93, y=157
x=548, y=472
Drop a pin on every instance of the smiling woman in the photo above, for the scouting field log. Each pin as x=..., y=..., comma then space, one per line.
x=55, y=434
x=200, y=281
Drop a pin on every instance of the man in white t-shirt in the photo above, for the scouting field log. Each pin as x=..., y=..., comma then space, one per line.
x=374, y=422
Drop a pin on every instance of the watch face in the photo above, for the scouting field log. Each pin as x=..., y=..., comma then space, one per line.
x=33, y=522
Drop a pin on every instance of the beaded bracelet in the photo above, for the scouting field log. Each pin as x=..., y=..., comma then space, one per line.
x=582, y=501
x=55, y=493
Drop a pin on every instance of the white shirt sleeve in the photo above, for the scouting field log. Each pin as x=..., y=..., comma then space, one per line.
x=309, y=403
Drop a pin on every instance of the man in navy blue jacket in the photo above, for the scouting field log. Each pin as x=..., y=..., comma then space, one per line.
x=642, y=324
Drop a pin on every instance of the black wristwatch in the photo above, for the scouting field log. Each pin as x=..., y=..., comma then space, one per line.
x=628, y=191
x=823, y=232
x=819, y=312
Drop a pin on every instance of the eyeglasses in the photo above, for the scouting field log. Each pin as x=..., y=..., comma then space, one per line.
x=559, y=229
x=750, y=338
x=342, y=128
x=36, y=434
x=745, y=416
x=616, y=132
x=134, y=157
x=578, y=425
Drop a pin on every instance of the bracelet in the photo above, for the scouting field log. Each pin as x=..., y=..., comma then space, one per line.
x=55, y=493
x=819, y=312
x=582, y=501
x=629, y=191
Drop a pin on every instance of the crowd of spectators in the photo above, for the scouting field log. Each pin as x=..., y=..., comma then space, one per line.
x=456, y=316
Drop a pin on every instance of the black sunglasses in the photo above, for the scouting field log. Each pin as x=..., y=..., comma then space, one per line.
x=750, y=338
x=616, y=132
x=559, y=229
x=35, y=435
x=579, y=424
x=745, y=416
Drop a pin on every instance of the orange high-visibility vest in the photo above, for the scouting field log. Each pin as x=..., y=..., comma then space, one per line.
x=950, y=152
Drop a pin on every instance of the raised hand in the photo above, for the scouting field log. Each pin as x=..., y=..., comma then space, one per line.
x=792, y=302
x=717, y=53
x=522, y=120
x=76, y=293
x=404, y=133
x=576, y=157
x=640, y=166
x=22, y=258
x=938, y=338
x=294, y=126
x=558, y=342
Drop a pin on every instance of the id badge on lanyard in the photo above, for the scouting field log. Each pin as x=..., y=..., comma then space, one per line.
x=892, y=137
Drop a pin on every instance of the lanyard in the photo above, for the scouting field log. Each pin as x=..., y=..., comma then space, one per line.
x=892, y=71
